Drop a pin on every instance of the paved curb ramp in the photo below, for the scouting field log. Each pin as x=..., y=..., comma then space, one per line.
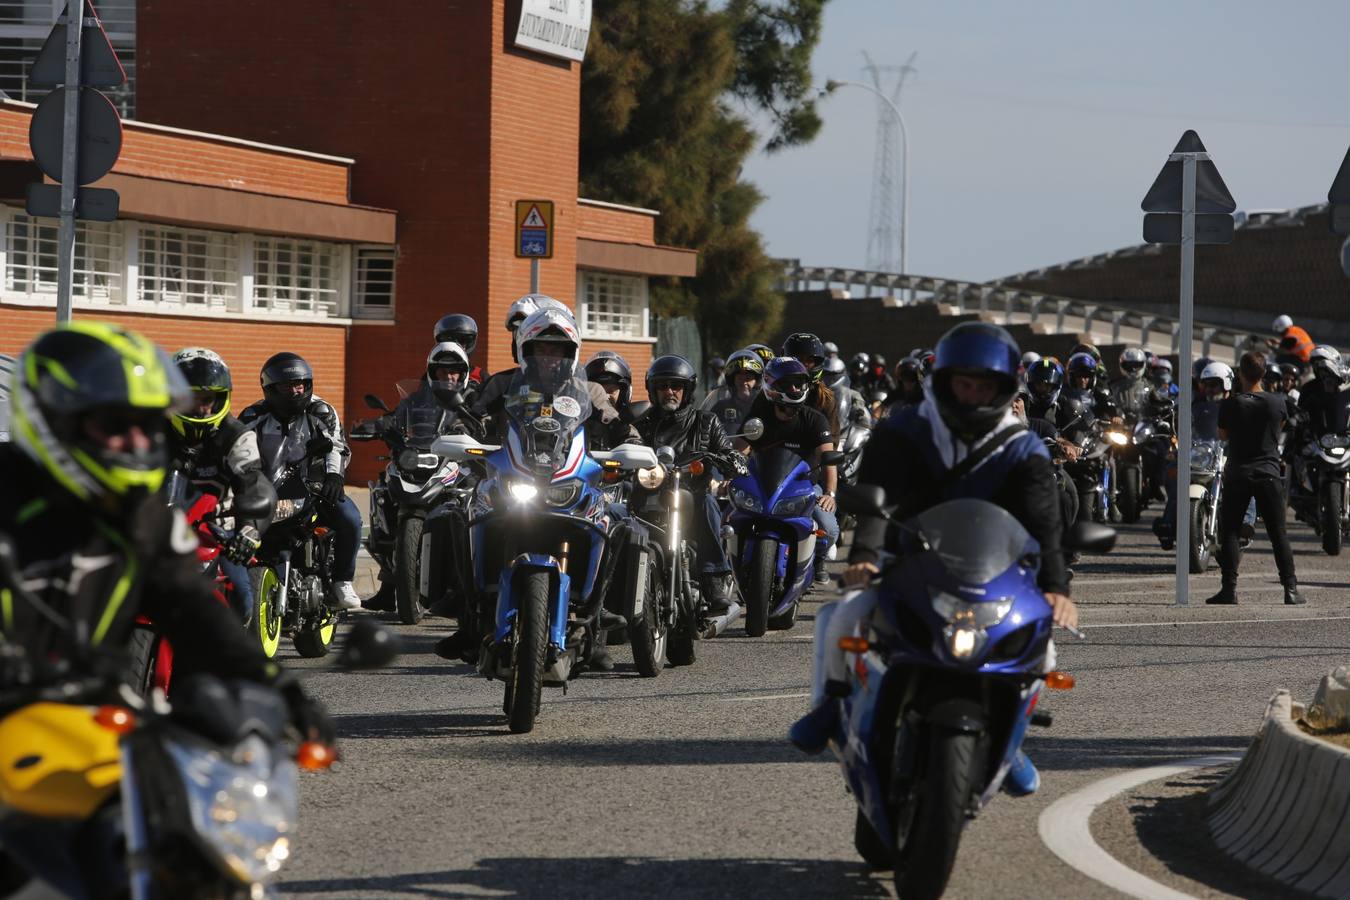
x=1285, y=810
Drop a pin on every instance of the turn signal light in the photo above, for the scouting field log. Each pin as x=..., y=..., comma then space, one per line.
x=696, y=467
x=611, y=477
x=1059, y=681
x=117, y=719
x=853, y=644
x=313, y=756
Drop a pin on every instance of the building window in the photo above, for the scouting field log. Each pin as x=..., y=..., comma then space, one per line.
x=30, y=259
x=373, y=294
x=295, y=276
x=187, y=268
x=24, y=26
x=612, y=305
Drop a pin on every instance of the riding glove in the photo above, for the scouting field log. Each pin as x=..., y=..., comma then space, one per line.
x=332, y=489
x=243, y=545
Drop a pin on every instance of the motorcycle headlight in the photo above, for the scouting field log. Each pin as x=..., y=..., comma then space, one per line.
x=747, y=501
x=1119, y=438
x=245, y=812
x=1334, y=442
x=564, y=493
x=522, y=491
x=652, y=478
x=966, y=632
x=795, y=507
x=412, y=460
x=1202, y=457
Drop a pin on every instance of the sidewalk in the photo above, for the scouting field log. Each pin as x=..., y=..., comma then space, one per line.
x=366, y=581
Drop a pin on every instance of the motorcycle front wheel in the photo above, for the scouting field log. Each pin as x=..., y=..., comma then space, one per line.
x=647, y=631
x=528, y=653
x=314, y=642
x=1128, y=496
x=408, y=570
x=763, y=564
x=1331, y=516
x=1202, y=549
x=266, y=623
x=935, y=836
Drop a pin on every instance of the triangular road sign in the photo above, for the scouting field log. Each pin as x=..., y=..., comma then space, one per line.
x=1211, y=194
x=1340, y=188
x=533, y=219
x=98, y=62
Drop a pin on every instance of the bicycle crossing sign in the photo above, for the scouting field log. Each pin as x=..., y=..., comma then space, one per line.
x=534, y=229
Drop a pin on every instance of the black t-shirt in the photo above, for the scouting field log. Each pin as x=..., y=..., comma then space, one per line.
x=803, y=433
x=1253, y=423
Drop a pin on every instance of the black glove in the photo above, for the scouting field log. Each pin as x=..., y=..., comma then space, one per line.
x=243, y=545
x=309, y=716
x=332, y=489
x=735, y=462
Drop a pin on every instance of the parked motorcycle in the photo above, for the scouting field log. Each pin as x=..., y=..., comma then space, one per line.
x=1208, y=458
x=539, y=530
x=1325, y=489
x=415, y=482
x=293, y=579
x=944, y=680
x=772, y=534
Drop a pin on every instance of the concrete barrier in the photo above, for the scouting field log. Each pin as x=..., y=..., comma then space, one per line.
x=1285, y=809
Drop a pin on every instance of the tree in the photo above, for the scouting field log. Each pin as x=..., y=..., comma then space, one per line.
x=658, y=128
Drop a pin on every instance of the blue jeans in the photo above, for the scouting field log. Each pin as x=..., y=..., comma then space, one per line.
x=345, y=520
x=712, y=554
x=827, y=522
x=241, y=600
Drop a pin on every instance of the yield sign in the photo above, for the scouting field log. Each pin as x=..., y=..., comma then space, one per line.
x=1211, y=194
x=1339, y=197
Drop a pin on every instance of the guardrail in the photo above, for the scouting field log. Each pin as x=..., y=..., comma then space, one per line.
x=994, y=297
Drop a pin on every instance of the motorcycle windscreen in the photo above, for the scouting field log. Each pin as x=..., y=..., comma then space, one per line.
x=421, y=426
x=773, y=468
x=974, y=540
x=546, y=412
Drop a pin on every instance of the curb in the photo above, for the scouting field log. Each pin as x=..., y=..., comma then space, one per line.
x=1285, y=809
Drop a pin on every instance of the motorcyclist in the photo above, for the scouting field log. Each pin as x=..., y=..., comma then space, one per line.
x=1216, y=384
x=497, y=383
x=220, y=456
x=857, y=369
x=715, y=367
x=1325, y=400
x=1130, y=390
x=731, y=402
x=809, y=350
x=437, y=402
x=458, y=328
x=791, y=422
x=285, y=420
x=1045, y=379
x=675, y=421
x=919, y=456
x=1294, y=344
x=831, y=351
x=1060, y=450
x=878, y=379
x=1293, y=377
x=1160, y=375
x=852, y=406
x=909, y=384
x=611, y=371
x=765, y=353
x=1082, y=375
x=87, y=532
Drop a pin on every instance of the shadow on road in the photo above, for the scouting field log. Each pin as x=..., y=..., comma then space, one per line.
x=616, y=877
x=1122, y=753
x=420, y=724
x=645, y=751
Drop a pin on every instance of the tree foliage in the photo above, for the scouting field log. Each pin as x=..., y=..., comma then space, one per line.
x=659, y=129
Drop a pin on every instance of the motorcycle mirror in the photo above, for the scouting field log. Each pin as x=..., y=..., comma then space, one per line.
x=369, y=646
x=831, y=457
x=375, y=402
x=257, y=501
x=753, y=429
x=862, y=499
x=455, y=401
x=1090, y=537
x=665, y=456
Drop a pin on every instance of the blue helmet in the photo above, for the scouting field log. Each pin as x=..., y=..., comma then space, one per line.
x=979, y=349
x=786, y=381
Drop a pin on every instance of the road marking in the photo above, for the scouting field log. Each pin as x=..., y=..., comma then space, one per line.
x=1091, y=625
x=1082, y=580
x=764, y=697
x=1064, y=829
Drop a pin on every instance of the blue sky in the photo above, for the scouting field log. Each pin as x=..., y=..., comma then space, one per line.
x=1036, y=127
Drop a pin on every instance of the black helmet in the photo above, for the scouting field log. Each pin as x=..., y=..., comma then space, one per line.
x=878, y=361
x=1199, y=366
x=1273, y=377
x=457, y=328
x=717, y=364
x=1074, y=411
x=807, y=349
x=672, y=368
x=279, y=371
x=909, y=366
x=975, y=348
x=447, y=355
x=608, y=368
x=857, y=365
x=206, y=373
x=1082, y=363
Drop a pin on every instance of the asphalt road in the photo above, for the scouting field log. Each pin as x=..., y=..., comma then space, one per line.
x=684, y=786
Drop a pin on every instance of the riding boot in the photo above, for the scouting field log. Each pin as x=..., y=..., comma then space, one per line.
x=600, y=660
x=715, y=592
x=1227, y=595
x=1291, y=595
x=382, y=600
x=812, y=732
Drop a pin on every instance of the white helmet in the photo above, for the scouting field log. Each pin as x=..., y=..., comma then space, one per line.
x=1030, y=358
x=1325, y=359
x=530, y=304
x=447, y=354
x=1282, y=324
x=549, y=326
x=1220, y=371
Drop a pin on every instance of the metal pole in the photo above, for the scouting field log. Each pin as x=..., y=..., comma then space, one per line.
x=1183, y=487
x=534, y=274
x=70, y=138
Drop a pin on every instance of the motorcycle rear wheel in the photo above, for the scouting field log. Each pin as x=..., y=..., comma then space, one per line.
x=528, y=652
x=266, y=623
x=1129, y=495
x=930, y=853
x=408, y=571
x=1202, y=550
x=763, y=564
x=1330, y=508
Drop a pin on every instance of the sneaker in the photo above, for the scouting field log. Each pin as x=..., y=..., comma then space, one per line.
x=811, y=733
x=1292, y=597
x=1227, y=596
x=822, y=577
x=1023, y=779
x=345, y=596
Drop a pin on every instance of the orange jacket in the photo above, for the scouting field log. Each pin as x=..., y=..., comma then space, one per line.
x=1302, y=345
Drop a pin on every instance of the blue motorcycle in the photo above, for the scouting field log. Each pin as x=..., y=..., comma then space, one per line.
x=538, y=529
x=944, y=679
x=772, y=534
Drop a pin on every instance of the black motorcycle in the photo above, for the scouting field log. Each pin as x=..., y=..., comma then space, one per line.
x=1323, y=499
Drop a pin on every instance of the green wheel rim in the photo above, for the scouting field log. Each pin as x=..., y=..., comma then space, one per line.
x=269, y=623
x=327, y=631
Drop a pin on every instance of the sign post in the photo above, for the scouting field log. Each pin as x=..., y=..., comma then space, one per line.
x=75, y=133
x=1186, y=205
x=534, y=235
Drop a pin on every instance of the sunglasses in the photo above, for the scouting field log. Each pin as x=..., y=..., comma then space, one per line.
x=667, y=384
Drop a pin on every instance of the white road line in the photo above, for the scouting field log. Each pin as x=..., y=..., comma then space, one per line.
x=764, y=697
x=1088, y=626
x=1064, y=829
x=1091, y=581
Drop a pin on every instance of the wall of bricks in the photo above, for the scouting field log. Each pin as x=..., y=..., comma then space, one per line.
x=615, y=225
x=244, y=345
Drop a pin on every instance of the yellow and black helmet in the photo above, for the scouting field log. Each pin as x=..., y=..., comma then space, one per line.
x=83, y=382
x=743, y=361
x=206, y=375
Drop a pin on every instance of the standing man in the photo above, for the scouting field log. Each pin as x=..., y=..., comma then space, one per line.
x=1251, y=422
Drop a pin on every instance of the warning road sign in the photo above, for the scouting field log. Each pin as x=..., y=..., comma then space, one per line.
x=534, y=228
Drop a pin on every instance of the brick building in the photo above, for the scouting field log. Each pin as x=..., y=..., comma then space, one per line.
x=421, y=126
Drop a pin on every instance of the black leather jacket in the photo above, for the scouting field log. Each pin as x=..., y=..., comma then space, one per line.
x=691, y=430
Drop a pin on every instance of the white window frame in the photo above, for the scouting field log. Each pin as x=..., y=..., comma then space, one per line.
x=361, y=310
x=592, y=321
x=219, y=268
x=42, y=292
x=269, y=284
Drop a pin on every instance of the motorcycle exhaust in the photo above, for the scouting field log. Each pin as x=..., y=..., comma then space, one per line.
x=719, y=625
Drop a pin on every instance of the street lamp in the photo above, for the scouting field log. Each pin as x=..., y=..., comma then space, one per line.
x=830, y=87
